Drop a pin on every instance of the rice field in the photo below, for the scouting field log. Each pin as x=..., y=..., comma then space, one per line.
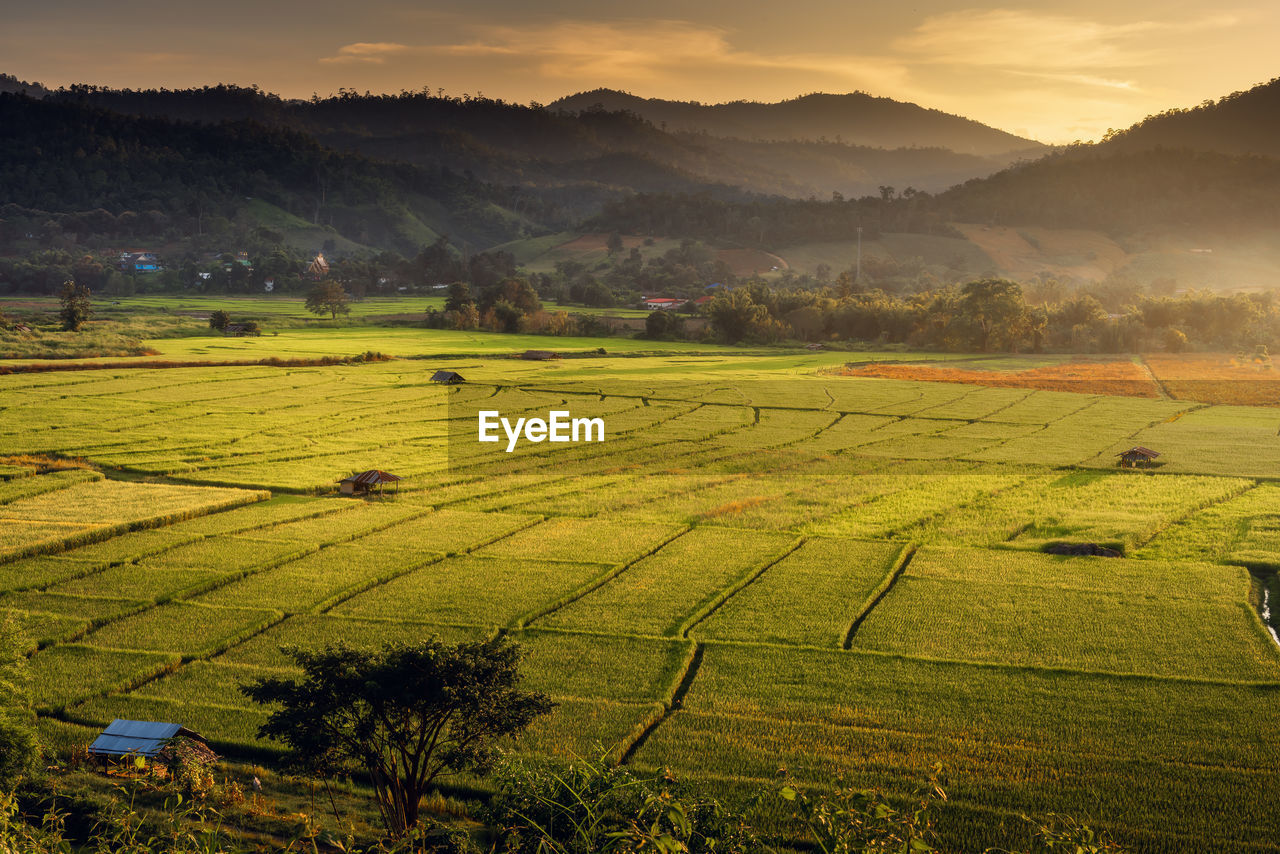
x=764, y=565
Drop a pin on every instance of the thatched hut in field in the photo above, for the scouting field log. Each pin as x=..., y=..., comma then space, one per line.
x=1137, y=456
x=447, y=377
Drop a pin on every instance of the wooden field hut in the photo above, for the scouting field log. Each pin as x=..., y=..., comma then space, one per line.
x=447, y=377
x=1137, y=456
x=367, y=481
x=539, y=355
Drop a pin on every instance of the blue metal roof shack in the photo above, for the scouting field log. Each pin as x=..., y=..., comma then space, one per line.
x=137, y=738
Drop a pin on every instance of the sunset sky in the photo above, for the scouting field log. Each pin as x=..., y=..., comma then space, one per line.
x=1054, y=71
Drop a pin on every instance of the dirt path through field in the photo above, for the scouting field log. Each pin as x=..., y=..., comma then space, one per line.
x=1164, y=392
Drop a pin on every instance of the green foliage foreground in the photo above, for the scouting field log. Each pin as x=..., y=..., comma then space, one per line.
x=580, y=807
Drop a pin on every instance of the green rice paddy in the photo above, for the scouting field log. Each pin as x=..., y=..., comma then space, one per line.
x=762, y=567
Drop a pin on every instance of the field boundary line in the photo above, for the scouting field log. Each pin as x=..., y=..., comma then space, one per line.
x=228, y=578
x=195, y=589
x=184, y=660
x=1156, y=381
x=1248, y=487
x=669, y=705
x=109, y=532
x=326, y=605
x=369, y=584
x=741, y=583
x=348, y=593
x=891, y=578
x=130, y=683
x=307, y=551
x=524, y=620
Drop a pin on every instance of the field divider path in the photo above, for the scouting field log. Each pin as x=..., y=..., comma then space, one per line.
x=126, y=686
x=523, y=621
x=355, y=590
x=231, y=578
x=1188, y=407
x=105, y=532
x=736, y=587
x=283, y=616
x=899, y=567
x=669, y=705
x=307, y=551
x=1191, y=511
x=1160, y=386
x=195, y=590
x=925, y=521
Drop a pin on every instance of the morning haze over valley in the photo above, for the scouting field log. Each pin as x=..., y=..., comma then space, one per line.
x=693, y=428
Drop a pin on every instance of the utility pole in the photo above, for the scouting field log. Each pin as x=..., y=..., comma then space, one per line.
x=857, y=276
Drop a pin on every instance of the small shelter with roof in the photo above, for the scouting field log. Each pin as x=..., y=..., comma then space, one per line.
x=319, y=267
x=367, y=481
x=447, y=377
x=1136, y=456
x=138, y=738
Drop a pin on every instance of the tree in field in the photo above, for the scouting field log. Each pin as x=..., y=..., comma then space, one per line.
x=458, y=296
x=218, y=319
x=735, y=315
x=76, y=308
x=614, y=244
x=996, y=311
x=328, y=298
x=406, y=715
x=18, y=746
x=662, y=324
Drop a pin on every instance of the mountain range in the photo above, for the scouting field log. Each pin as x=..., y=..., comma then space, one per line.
x=855, y=118
x=395, y=171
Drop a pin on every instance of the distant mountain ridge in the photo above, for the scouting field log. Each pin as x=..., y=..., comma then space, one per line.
x=561, y=150
x=1245, y=122
x=855, y=118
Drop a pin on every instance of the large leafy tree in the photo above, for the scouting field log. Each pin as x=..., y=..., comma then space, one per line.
x=218, y=319
x=735, y=315
x=996, y=311
x=76, y=306
x=458, y=297
x=328, y=298
x=406, y=715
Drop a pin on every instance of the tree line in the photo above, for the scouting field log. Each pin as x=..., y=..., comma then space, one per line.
x=987, y=315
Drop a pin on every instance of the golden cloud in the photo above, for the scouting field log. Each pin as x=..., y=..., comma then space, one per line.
x=630, y=52
x=374, y=53
x=1060, y=47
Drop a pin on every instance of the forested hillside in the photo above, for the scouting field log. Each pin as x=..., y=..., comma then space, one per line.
x=71, y=168
x=562, y=148
x=1240, y=123
x=856, y=118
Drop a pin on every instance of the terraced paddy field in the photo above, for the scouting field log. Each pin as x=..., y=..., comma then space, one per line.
x=762, y=566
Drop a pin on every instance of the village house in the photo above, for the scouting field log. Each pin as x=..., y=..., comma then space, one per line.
x=663, y=303
x=139, y=262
